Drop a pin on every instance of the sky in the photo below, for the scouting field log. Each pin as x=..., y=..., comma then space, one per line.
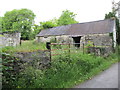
x=86, y=10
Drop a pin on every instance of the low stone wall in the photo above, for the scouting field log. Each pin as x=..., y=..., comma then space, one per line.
x=38, y=59
x=100, y=51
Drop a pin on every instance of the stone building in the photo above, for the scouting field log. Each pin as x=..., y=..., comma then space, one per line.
x=10, y=38
x=100, y=33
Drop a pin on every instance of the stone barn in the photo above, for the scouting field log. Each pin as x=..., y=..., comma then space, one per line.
x=101, y=33
x=11, y=38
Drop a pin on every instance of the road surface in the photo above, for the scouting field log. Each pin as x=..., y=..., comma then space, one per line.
x=107, y=79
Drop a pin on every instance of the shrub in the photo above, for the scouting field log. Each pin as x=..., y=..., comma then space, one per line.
x=10, y=70
x=64, y=70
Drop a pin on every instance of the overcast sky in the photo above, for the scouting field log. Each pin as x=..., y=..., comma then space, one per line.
x=86, y=10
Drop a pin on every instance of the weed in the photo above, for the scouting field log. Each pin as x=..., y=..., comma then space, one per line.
x=65, y=71
x=27, y=46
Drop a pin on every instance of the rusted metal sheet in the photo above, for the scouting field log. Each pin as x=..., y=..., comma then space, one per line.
x=80, y=29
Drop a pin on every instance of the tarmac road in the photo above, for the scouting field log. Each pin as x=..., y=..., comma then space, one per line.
x=106, y=79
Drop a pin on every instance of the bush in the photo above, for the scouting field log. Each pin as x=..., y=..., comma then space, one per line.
x=10, y=70
x=64, y=70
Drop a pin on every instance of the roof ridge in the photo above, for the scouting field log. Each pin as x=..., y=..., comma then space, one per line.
x=92, y=21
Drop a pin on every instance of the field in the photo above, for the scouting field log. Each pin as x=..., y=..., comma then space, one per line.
x=66, y=70
x=26, y=46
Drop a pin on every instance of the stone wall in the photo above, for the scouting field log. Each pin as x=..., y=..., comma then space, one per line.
x=100, y=44
x=10, y=38
x=38, y=59
x=103, y=41
x=44, y=39
x=97, y=39
x=60, y=39
x=64, y=39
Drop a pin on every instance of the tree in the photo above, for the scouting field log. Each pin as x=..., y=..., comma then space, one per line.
x=1, y=24
x=19, y=20
x=48, y=24
x=110, y=15
x=36, y=30
x=66, y=18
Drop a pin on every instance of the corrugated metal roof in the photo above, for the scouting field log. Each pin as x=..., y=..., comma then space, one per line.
x=95, y=27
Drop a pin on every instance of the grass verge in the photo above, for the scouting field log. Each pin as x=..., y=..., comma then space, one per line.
x=93, y=73
x=26, y=46
x=65, y=72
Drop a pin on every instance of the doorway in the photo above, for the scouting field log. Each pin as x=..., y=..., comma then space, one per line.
x=76, y=40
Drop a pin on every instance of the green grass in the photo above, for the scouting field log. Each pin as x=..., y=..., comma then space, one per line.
x=65, y=72
x=26, y=46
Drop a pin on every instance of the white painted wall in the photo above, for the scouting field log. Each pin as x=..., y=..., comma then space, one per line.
x=114, y=35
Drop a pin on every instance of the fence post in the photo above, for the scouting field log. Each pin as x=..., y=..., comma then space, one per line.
x=20, y=42
x=48, y=46
x=50, y=55
x=94, y=48
x=60, y=48
x=69, y=50
x=83, y=48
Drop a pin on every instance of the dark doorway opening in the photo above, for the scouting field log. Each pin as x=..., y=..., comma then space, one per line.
x=76, y=40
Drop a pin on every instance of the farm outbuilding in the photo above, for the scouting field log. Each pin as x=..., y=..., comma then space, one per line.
x=101, y=33
x=10, y=38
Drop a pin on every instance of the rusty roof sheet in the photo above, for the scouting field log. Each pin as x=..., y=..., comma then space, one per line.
x=95, y=27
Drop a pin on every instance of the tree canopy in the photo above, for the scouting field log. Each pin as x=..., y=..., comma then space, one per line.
x=36, y=30
x=22, y=20
x=19, y=20
x=67, y=17
x=0, y=24
x=48, y=24
x=109, y=15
